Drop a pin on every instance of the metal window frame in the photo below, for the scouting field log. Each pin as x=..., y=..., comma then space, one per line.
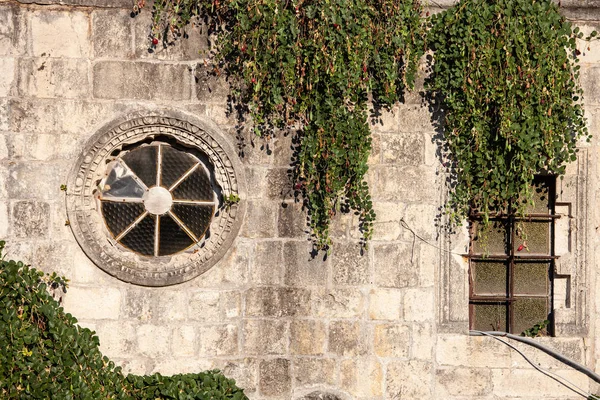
x=511, y=258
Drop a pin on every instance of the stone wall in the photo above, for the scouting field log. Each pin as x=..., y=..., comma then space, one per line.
x=389, y=324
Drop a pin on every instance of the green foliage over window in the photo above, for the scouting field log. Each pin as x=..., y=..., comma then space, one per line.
x=506, y=74
x=314, y=66
x=46, y=355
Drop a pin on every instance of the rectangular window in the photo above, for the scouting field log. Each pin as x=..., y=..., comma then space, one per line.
x=511, y=266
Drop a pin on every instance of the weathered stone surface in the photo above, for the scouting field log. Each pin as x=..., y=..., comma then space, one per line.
x=93, y=303
x=410, y=380
x=307, y=337
x=338, y=303
x=402, y=149
x=318, y=395
x=112, y=34
x=4, y=219
x=528, y=382
x=384, y=120
x=30, y=219
x=292, y=221
x=260, y=220
x=277, y=302
x=263, y=337
x=12, y=29
x=419, y=305
x=462, y=350
x=244, y=372
x=267, y=265
x=4, y=154
x=4, y=114
x=170, y=304
x=301, y=268
x=35, y=180
x=401, y=183
x=210, y=85
x=7, y=66
x=154, y=340
x=362, y=377
x=138, y=304
x=391, y=340
x=415, y=118
x=218, y=340
x=205, y=306
x=423, y=341
x=394, y=265
x=462, y=382
x=184, y=341
x=279, y=181
x=347, y=339
x=349, y=264
x=117, y=338
x=44, y=77
x=313, y=371
x=60, y=34
x=385, y=304
x=590, y=82
x=274, y=377
x=141, y=80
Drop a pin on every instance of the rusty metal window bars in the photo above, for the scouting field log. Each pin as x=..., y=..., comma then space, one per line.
x=511, y=265
x=157, y=200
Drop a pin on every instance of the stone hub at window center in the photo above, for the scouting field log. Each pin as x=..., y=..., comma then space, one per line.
x=158, y=200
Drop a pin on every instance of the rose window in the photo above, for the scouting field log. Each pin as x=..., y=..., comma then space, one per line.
x=157, y=200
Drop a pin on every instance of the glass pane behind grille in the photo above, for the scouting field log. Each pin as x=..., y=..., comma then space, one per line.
x=174, y=164
x=491, y=240
x=532, y=278
x=489, y=278
x=489, y=317
x=541, y=199
x=119, y=216
x=195, y=217
x=143, y=163
x=537, y=236
x=528, y=312
x=141, y=238
x=172, y=238
x=195, y=187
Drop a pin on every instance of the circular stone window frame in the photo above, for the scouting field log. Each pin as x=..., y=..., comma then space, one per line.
x=83, y=206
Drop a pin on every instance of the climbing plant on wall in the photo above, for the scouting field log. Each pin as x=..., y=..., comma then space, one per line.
x=506, y=74
x=311, y=66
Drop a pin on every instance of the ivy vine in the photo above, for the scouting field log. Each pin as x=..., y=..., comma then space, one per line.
x=314, y=67
x=505, y=73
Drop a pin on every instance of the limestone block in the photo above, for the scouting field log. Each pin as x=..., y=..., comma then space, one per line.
x=117, y=338
x=36, y=180
x=112, y=34
x=205, y=306
x=154, y=340
x=30, y=219
x=266, y=268
x=402, y=148
x=51, y=77
x=170, y=304
x=4, y=225
x=256, y=177
x=141, y=81
x=4, y=114
x=410, y=380
x=236, y=264
x=136, y=366
x=243, y=371
x=264, y=337
x=590, y=83
x=347, y=339
x=12, y=29
x=387, y=223
x=274, y=377
x=93, y=303
x=218, y=340
x=428, y=260
x=529, y=382
x=590, y=51
x=171, y=366
x=404, y=183
x=414, y=119
x=279, y=184
x=348, y=265
x=423, y=341
x=385, y=120
x=419, y=305
x=60, y=34
x=421, y=219
x=260, y=220
x=4, y=153
x=307, y=337
x=184, y=341
x=392, y=265
x=36, y=147
x=462, y=382
x=231, y=304
x=375, y=157
x=138, y=304
x=362, y=377
x=7, y=66
x=314, y=371
x=52, y=256
x=385, y=304
x=391, y=340
x=475, y=352
x=192, y=45
x=211, y=86
x=284, y=145
x=277, y=302
x=255, y=150
x=338, y=303
x=292, y=221
x=301, y=268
